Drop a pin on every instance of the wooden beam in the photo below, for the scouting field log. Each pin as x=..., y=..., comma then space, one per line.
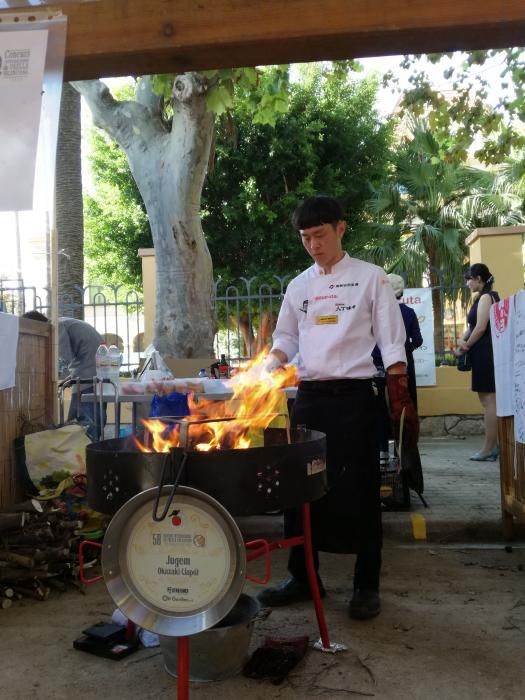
x=123, y=37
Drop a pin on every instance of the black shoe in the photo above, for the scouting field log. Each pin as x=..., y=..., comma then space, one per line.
x=287, y=592
x=365, y=604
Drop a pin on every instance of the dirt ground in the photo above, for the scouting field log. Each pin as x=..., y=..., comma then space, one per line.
x=452, y=626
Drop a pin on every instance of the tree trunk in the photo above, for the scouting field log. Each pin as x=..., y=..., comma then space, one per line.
x=254, y=345
x=437, y=297
x=265, y=332
x=184, y=313
x=437, y=308
x=69, y=206
x=169, y=168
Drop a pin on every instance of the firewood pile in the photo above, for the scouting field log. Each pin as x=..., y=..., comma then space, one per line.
x=39, y=549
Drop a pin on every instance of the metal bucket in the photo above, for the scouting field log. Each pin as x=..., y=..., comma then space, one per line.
x=221, y=651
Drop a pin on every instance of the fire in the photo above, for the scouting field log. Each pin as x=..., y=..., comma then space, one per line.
x=238, y=423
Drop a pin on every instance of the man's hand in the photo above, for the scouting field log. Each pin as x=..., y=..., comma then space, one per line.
x=261, y=370
x=270, y=363
x=399, y=399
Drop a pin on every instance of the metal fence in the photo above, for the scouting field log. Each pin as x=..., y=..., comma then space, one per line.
x=116, y=313
x=450, y=321
x=247, y=312
x=246, y=315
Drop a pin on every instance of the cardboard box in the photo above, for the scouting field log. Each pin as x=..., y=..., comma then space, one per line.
x=188, y=367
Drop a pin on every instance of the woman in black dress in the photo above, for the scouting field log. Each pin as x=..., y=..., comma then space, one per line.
x=477, y=340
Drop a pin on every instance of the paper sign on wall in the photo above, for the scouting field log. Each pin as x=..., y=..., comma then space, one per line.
x=22, y=62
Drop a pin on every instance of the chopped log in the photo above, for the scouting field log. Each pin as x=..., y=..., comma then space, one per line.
x=11, y=521
x=42, y=590
x=5, y=603
x=6, y=592
x=29, y=506
x=51, y=554
x=34, y=593
x=18, y=559
x=32, y=537
x=9, y=576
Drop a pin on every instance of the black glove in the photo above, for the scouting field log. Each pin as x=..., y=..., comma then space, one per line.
x=276, y=658
x=399, y=399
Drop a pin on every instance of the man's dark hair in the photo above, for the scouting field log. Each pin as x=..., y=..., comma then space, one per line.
x=35, y=316
x=316, y=211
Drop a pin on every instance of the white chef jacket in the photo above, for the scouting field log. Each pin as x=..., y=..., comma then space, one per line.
x=335, y=320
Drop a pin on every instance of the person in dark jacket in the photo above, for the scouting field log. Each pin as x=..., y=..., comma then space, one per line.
x=413, y=341
x=414, y=338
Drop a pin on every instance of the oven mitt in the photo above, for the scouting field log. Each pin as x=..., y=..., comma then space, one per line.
x=276, y=658
x=401, y=404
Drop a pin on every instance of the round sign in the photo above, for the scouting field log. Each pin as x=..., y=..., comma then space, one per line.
x=178, y=576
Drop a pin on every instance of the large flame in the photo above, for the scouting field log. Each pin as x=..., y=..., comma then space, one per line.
x=257, y=401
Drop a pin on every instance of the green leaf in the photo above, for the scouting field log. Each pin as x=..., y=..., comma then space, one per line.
x=219, y=99
x=251, y=75
x=162, y=84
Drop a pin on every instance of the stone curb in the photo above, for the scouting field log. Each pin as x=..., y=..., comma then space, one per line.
x=397, y=527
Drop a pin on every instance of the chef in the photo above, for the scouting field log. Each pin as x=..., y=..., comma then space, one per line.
x=333, y=314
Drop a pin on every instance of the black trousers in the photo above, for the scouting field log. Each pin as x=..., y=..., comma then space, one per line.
x=348, y=518
x=384, y=431
x=84, y=413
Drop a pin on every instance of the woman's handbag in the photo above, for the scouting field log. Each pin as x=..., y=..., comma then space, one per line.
x=464, y=364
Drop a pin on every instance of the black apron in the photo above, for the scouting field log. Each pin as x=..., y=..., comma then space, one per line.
x=348, y=518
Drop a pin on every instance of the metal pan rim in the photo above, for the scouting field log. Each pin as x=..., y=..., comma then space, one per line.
x=133, y=603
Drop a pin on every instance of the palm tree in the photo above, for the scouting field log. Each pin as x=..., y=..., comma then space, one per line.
x=69, y=206
x=423, y=214
x=510, y=177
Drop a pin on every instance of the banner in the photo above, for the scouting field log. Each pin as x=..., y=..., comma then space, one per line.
x=502, y=330
x=22, y=61
x=420, y=300
x=519, y=368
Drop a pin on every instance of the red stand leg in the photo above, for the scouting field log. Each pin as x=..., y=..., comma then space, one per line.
x=312, y=577
x=183, y=668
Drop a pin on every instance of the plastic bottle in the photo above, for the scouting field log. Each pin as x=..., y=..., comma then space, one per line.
x=102, y=361
x=203, y=374
x=114, y=363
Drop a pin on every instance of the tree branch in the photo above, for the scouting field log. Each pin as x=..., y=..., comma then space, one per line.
x=125, y=122
x=148, y=98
